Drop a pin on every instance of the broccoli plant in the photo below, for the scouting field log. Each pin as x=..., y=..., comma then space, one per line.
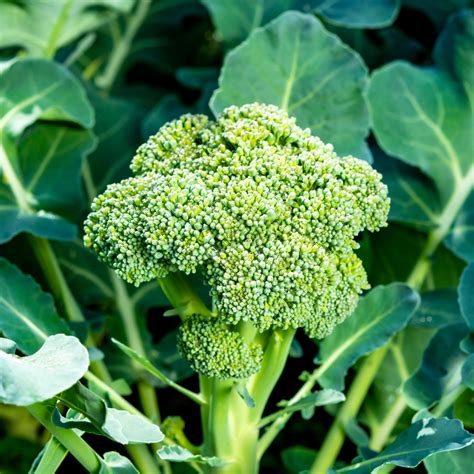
x=236, y=237
x=267, y=214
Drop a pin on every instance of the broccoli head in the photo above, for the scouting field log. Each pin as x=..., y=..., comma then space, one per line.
x=266, y=211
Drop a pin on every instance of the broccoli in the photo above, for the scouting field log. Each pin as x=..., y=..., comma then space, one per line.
x=216, y=351
x=264, y=210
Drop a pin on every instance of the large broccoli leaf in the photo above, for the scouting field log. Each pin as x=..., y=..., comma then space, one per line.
x=277, y=65
x=424, y=117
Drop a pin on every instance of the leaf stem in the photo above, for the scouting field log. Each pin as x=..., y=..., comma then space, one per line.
x=68, y=438
x=63, y=16
x=120, y=52
x=355, y=397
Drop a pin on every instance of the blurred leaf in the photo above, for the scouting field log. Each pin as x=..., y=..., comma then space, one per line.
x=452, y=462
x=422, y=439
x=466, y=295
x=461, y=237
x=22, y=23
x=58, y=364
x=440, y=370
x=467, y=372
x=358, y=13
x=115, y=463
x=324, y=92
x=438, y=308
x=464, y=408
x=27, y=313
x=175, y=453
x=356, y=433
x=380, y=314
x=235, y=21
x=298, y=458
x=48, y=92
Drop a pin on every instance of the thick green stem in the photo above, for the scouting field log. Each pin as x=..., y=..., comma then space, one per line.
x=121, y=50
x=336, y=435
x=61, y=20
x=182, y=296
x=68, y=438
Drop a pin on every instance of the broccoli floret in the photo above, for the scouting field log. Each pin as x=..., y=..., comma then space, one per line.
x=267, y=212
x=214, y=350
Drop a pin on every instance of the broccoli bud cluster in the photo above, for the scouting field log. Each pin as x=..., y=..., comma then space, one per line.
x=214, y=350
x=267, y=212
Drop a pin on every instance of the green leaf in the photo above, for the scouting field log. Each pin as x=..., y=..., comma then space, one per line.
x=358, y=13
x=307, y=404
x=277, y=65
x=466, y=295
x=22, y=23
x=27, y=313
x=119, y=425
x=432, y=109
x=115, y=463
x=437, y=309
x=56, y=366
x=380, y=314
x=467, y=372
x=414, y=198
x=175, y=453
x=440, y=370
x=460, y=239
x=422, y=439
x=452, y=462
x=48, y=92
x=298, y=458
x=48, y=153
x=234, y=21
x=244, y=394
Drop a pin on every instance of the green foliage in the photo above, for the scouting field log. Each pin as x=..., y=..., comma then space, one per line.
x=324, y=92
x=424, y=438
x=244, y=226
x=59, y=363
x=380, y=314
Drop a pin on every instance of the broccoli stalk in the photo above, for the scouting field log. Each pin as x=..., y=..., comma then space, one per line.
x=267, y=214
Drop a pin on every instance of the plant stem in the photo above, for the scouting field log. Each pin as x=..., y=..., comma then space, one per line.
x=380, y=435
x=447, y=400
x=336, y=435
x=120, y=52
x=63, y=16
x=68, y=438
x=182, y=296
x=127, y=313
